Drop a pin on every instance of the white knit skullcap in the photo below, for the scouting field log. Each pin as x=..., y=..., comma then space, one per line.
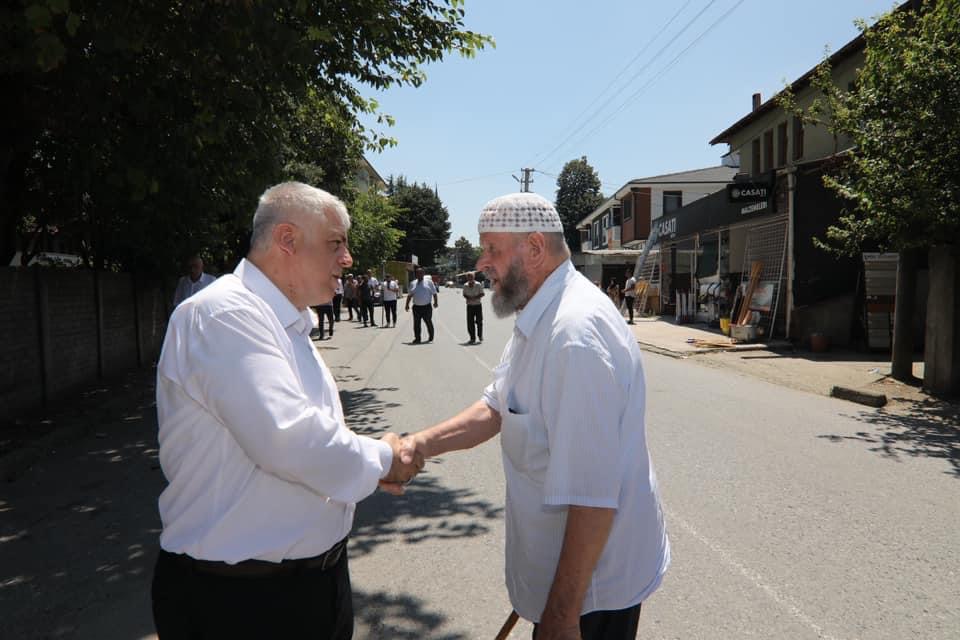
x=519, y=213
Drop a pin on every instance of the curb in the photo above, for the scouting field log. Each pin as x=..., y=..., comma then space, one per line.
x=856, y=395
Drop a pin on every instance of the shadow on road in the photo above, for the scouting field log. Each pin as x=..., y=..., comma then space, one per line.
x=380, y=612
x=929, y=428
x=79, y=531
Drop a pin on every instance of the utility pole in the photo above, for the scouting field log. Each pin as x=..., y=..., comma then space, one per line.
x=526, y=181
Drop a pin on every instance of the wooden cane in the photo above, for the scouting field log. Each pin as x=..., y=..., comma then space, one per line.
x=507, y=626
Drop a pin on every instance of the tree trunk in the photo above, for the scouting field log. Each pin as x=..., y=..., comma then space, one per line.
x=901, y=364
x=941, y=371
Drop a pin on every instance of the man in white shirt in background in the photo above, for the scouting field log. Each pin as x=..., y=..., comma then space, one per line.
x=390, y=290
x=585, y=537
x=629, y=294
x=422, y=289
x=263, y=473
x=195, y=281
x=473, y=292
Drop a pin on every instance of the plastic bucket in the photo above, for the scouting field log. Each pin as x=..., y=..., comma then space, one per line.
x=725, y=326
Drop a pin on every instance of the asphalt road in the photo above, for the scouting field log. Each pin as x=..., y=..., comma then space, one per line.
x=791, y=515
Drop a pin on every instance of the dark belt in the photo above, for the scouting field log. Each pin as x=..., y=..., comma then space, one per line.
x=262, y=568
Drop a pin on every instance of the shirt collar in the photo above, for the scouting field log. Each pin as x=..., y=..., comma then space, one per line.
x=260, y=285
x=530, y=314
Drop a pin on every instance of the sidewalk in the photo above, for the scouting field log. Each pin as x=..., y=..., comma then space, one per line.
x=778, y=361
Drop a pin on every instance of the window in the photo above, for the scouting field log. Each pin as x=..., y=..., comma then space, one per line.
x=797, y=138
x=672, y=200
x=768, y=150
x=755, y=158
x=616, y=216
x=628, y=208
x=782, y=144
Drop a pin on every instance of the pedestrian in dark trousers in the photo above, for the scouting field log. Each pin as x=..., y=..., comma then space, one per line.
x=629, y=294
x=325, y=311
x=421, y=290
x=366, y=301
x=473, y=292
x=337, y=299
x=349, y=293
x=389, y=291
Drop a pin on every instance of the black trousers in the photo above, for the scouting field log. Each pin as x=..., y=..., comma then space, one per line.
x=424, y=313
x=608, y=625
x=390, y=311
x=475, y=321
x=325, y=311
x=312, y=603
x=366, y=312
x=629, y=302
x=337, y=299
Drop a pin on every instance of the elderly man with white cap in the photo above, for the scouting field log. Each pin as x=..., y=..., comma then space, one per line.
x=585, y=537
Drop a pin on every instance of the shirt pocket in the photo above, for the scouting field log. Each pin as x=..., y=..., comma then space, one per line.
x=524, y=444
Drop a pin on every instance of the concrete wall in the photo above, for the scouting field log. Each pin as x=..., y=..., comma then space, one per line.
x=62, y=329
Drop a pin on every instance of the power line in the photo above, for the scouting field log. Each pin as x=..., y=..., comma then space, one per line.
x=670, y=65
x=630, y=63
x=462, y=180
x=628, y=81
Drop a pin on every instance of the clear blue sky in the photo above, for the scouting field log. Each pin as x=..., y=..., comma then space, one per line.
x=564, y=65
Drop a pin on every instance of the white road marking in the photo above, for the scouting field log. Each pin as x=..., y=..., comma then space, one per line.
x=785, y=602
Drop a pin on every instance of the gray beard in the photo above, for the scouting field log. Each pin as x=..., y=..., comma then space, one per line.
x=513, y=291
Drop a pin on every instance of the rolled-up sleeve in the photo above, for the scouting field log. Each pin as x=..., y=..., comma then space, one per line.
x=233, y=365
x=581, y=404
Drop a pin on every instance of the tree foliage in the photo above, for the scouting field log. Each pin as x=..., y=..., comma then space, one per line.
x=423, y=219
x=902, y=176
x=141, y=130
x=373, y=238
x=578, y=193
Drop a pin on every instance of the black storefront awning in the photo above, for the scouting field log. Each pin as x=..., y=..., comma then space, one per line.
x=708, y=213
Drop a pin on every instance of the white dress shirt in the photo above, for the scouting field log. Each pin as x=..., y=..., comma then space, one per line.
x=389, y=289
x=253, y=443
x=571, y=396
x=187, y=287
x=423, y=291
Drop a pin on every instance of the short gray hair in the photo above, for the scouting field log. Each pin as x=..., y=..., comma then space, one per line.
x=556, y=244
x=288, y=201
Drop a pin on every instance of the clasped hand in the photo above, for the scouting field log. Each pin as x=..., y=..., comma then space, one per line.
x=407, y=463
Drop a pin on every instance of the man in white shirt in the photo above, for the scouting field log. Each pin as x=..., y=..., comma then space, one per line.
x=263, y=473
x=390, y=290
x=193, y=282
x=629, y=294
x=421, y=291
x=473, y=292
x=585, y=536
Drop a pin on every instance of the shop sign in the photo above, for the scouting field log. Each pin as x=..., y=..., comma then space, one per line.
x=756, y=206
x=742, y=192
x=667, y=226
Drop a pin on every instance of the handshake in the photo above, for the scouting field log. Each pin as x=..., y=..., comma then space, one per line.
x=408, y=461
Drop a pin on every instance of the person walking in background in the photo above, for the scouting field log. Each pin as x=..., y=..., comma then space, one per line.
x=585, y=537
x=473, y=292
x=193, y=282
x=613, y=291
x=337, y=299
x=421, y=291
x=349, y=294
x=263, y=473
x=365, y=292
x=325, y=311
x=390, y=290
x=629, y=294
